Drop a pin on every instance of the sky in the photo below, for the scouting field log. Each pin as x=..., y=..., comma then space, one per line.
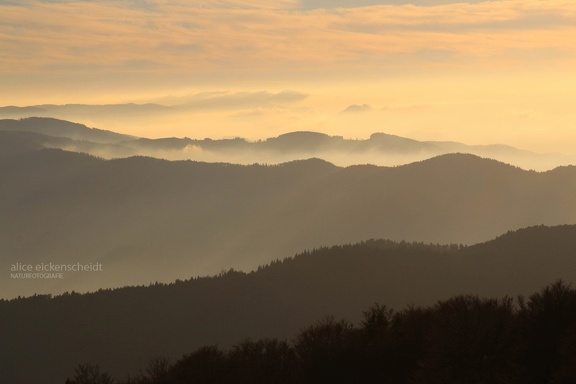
x=478, y=72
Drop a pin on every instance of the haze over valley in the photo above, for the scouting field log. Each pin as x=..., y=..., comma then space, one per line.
x=379, y=149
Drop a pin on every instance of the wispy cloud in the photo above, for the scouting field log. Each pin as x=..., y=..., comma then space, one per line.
x=245, y=35
x=327, y=4
x=357, y=108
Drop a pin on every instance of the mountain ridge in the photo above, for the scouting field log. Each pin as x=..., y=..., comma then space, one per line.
x=74, y=207
x=62, y=128
x=379, y=149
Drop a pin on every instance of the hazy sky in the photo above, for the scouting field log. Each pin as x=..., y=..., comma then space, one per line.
x=478, y=72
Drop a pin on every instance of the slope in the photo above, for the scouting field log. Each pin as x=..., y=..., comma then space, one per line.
x=121, y=330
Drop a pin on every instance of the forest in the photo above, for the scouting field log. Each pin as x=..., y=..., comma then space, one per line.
x=121, y=330
x=464, y=339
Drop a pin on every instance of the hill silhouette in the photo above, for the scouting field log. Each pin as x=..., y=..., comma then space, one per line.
x=379, y=149
x=63, y=129
x=121, y=330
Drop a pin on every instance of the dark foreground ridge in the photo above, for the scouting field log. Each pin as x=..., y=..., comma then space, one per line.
x=464, y=339
x=121, y=330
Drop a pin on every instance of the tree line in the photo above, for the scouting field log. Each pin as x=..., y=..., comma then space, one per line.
x=464, y=339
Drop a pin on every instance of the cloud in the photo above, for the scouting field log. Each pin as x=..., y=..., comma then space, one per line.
x=458, y=18
x=327, y=4
x=356, y=108
x=252, y=36
x=288, y=96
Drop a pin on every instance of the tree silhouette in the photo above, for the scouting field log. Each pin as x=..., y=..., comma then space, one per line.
x=548, y=325
x=326, y=352
x=470, y=340
x=206, y=365
x=89, y=374
x=268, y=360
x=375, y=355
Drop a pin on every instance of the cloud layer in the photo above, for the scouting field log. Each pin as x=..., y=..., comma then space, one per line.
x=242, y=36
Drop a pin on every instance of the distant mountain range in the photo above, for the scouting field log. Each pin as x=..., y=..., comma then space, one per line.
x=121, y=330
x=147, y=219
x=47, y=110
x=200, y=101
x=379, y=149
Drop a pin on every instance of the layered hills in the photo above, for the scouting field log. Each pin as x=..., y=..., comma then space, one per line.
x=145, y=219
x=379, y=149
x=72, y=199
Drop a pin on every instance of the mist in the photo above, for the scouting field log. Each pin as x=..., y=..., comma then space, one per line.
x=389, y=150
x=272, y=129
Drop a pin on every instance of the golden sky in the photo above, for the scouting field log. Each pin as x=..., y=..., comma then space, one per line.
x=478, y=72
